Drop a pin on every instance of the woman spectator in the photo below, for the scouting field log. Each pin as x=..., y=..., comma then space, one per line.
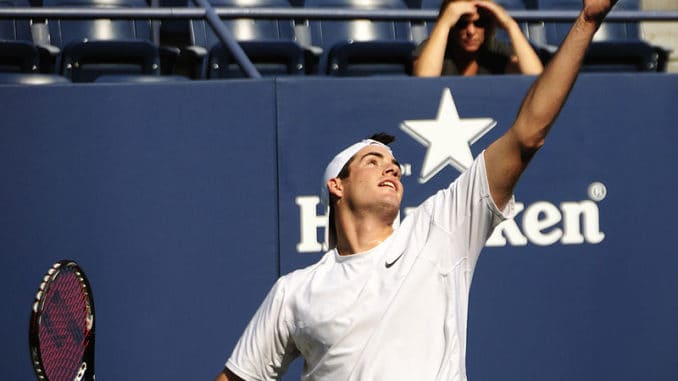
x=462, y=43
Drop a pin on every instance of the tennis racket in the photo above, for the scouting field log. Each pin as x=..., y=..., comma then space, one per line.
x=61, y=334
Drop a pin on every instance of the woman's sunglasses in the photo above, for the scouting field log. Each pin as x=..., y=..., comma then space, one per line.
x=482, y=22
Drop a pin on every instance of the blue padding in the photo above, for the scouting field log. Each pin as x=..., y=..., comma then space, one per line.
x=184, y=201
x=145, y=186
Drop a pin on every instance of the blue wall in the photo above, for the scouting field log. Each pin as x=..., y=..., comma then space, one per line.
x=183, y=204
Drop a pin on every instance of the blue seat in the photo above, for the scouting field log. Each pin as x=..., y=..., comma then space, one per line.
x=270, y=57
x=625, y=56
x=17, y=51
x=18, y=56
x=429, y=5
x=617, y=46
x=140, y=78
x=362, y=47
x=32, y=79
x=555, y=32
x=514, y=5
x=94, y=47
x=179, y=34
x=270, y=44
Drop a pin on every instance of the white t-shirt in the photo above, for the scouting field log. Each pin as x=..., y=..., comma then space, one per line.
x=396, y=312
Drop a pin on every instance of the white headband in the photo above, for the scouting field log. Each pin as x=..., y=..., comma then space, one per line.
x=335, y=166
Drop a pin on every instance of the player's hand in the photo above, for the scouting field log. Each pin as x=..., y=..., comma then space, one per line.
x=595, y=10
x=454, y=10
x=502, y=18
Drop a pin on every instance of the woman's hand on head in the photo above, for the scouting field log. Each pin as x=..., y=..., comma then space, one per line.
x=501, y=17
x=455, y=10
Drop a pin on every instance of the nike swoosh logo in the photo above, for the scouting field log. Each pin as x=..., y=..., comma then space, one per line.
x=391, y=263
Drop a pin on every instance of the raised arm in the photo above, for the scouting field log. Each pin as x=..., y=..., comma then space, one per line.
x=430, y=61
x=525, y=60
x=507, y=158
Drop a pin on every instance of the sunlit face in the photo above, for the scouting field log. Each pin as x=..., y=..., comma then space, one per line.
x=469, y=32
x=373, y=182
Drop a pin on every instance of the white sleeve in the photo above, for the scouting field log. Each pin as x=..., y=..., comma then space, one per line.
x=466, y=211
x=265, y=348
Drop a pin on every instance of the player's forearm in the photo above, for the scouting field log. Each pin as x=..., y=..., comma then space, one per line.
x=528, y=61
x=548, y=93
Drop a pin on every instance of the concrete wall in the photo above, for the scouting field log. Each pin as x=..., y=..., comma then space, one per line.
x=664, y=34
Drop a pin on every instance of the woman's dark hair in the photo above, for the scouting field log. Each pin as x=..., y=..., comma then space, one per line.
x=489, y=30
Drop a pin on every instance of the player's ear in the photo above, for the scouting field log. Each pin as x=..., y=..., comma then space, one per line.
x=335, y=187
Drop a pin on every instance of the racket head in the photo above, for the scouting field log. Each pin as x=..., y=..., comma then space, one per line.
x=61, y=333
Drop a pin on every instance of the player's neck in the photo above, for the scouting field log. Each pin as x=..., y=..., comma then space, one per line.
x=358, y=235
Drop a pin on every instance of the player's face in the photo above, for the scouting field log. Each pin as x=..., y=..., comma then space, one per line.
x=469, y=32
x=374, y=181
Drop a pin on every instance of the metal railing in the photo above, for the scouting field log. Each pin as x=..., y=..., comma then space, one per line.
x=304, y=13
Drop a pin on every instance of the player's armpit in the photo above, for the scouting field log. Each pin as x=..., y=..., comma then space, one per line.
x=227, y=375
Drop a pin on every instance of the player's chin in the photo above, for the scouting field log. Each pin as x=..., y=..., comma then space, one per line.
x=391, y=205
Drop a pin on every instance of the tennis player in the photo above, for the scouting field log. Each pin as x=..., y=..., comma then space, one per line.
x=392, y=305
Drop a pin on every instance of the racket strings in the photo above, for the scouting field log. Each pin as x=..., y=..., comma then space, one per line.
x=64, y=327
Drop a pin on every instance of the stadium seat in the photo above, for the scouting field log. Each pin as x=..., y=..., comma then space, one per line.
x=17, y=51
x=94, y=47
x=555, y=32
x=179, y=34
x=271, y=58
x=638, y=55
x=140, y=78
x=514, y=5
x=362, y=47
x=270, y=44
x=429, y=5
x=18, y=56
x=31, y=79
x=370, y=58
x=617, y=46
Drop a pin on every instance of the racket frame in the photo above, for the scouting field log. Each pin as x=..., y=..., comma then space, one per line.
x=86, y=369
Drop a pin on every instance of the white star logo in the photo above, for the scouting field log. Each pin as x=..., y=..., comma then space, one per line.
x=447, y=137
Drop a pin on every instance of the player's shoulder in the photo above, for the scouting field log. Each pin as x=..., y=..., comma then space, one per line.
x=299, y=277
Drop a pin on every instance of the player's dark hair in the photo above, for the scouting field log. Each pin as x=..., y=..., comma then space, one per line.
x=381, y=137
